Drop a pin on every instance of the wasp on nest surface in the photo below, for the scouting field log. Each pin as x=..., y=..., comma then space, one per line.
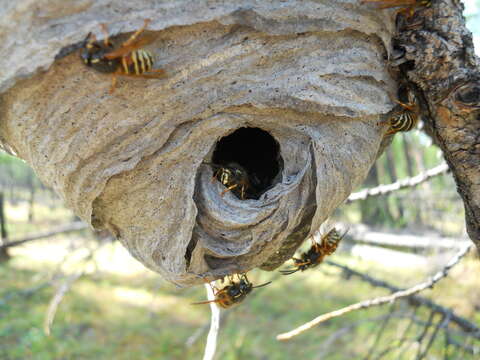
x=129, y=59
x=406, y=117
x=317, y=252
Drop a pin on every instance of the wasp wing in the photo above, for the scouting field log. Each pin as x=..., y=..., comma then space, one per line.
x=125, y=50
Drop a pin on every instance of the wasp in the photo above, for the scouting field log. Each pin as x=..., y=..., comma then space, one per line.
x=234, y=293
x=129, y=59
x=406, y=118
x=234, y=177
x=317, y=252
x=408, y=6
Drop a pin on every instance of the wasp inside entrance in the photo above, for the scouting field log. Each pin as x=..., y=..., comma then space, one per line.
x=247, y=162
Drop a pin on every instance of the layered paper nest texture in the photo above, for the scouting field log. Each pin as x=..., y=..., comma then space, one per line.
x=312, y=74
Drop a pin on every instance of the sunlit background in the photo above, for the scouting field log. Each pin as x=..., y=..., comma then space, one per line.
x=75, y=294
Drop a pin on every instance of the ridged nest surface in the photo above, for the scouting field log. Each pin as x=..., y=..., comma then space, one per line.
x=293, y=91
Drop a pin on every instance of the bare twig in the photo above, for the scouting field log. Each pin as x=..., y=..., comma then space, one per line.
x=398, y=185
x=65, y=286
x=404, y=336
x=192, y=339
x=55, y=275
x=53, y=306
x=214, y=326
x=325, y=345
x=415, y=300
x=379, y=300
x=76, y=226
x=467, y=349
x=361, y=233
x=381, y=331
x=25, y=292
x=425, y=331
x=440, y=325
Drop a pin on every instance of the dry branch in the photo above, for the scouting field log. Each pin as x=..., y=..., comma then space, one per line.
x=65, y=286
x=414, y=300
x=211, y=345
x=362, y=233
x=400, y=184
x=76, y=226
x=379, y=300
x=57, y=298
x=437, y=59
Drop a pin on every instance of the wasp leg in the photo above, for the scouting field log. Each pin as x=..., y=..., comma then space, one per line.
x=391, y=132
x=135, y=35
x=228, y=189
x=318, y=247
x=289, y=271
x=408, y=106
x=114, y=84
x=303, y=263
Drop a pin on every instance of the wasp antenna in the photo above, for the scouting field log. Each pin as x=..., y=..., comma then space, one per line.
x=253, y=287
x=288, y=272
x=345, y=233
x=203, y=302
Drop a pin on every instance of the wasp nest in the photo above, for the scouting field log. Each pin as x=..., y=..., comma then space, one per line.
x=293, y=92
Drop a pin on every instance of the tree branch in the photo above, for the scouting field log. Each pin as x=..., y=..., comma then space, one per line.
x=379, y=300
x=214, y=326
x=439, y=62
x=56, y=300
x=361, y=233
x=398, y=185
x=415, y=300
x=76, y=226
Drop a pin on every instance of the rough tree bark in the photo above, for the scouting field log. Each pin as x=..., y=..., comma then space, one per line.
x=438, y=60
x=313, y=74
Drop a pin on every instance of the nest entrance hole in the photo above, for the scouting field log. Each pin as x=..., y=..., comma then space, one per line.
x=257, y=153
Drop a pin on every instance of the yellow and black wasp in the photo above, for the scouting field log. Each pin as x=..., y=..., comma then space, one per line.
x=234, y=293
x=406, y=118
x=317, y=252
x=129, y=59
x=234, y=177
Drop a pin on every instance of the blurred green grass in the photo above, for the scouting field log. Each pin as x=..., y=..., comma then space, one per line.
x=120, y=310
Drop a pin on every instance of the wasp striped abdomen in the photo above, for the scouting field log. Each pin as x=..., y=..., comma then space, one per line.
x=404, y=121
x=317, y=252
x=137, y=62
x=330, y=242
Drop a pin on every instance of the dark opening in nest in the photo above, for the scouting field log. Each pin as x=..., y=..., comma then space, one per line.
x=249, y=158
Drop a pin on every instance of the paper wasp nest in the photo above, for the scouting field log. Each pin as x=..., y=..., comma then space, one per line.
x=305, y=82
